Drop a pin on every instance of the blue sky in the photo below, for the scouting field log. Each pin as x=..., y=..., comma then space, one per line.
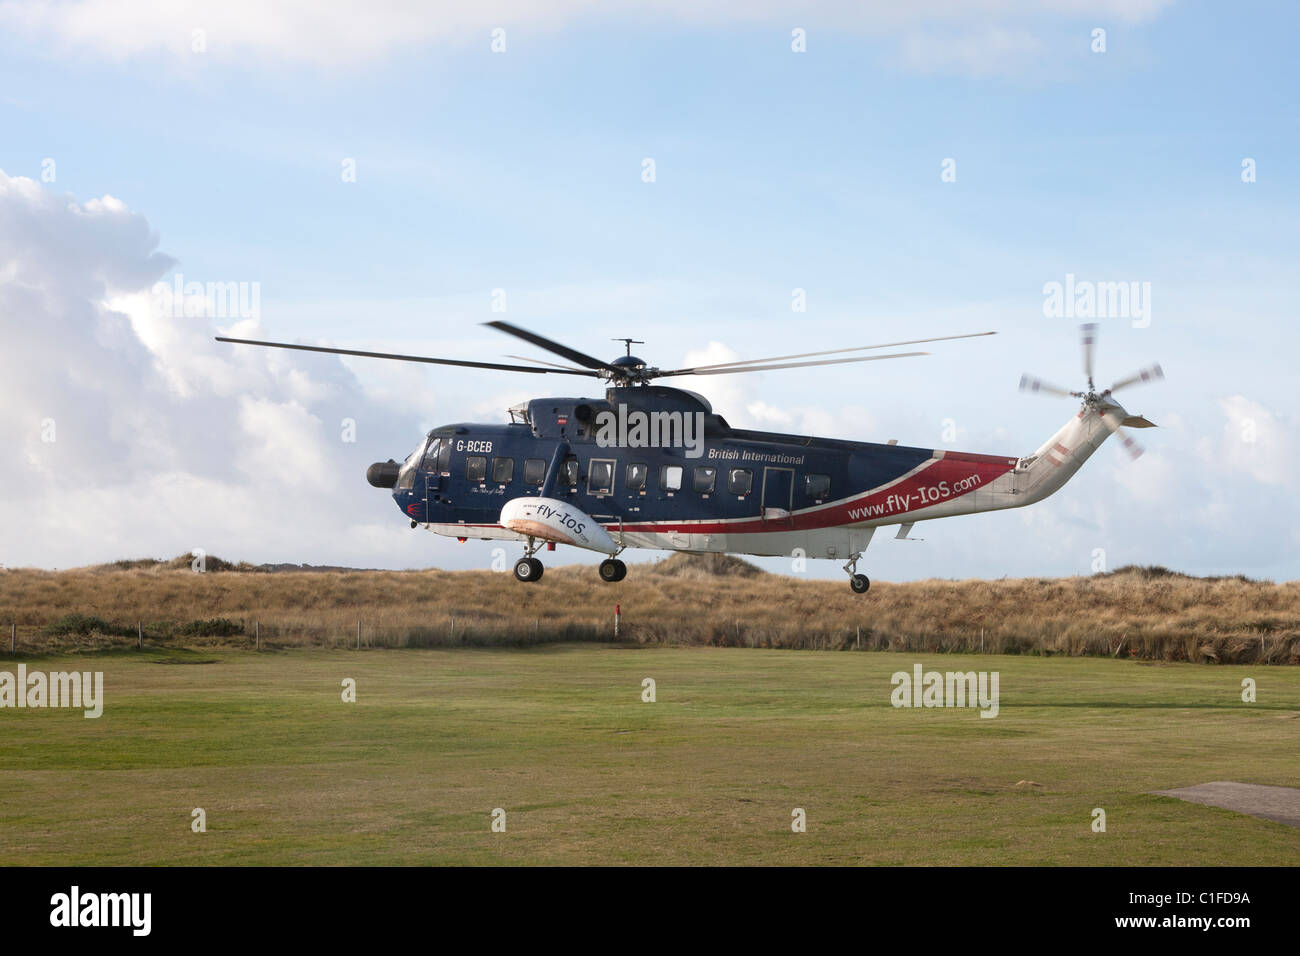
x=775, y=170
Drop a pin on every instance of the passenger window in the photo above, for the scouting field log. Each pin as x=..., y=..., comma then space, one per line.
x=600, y=476
x=670, y=478
x=705, y=478
x=503, y=470
x=636, y=474
x=740, y=481
x=569, y=472
x=475, y=468
x=817, y=486
x=534, y=471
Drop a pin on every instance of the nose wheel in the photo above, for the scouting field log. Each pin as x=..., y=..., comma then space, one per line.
x=612, y=570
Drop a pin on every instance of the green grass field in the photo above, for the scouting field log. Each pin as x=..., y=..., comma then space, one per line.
x=709, y=774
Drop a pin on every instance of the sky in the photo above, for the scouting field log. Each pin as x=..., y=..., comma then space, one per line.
x=384, y=175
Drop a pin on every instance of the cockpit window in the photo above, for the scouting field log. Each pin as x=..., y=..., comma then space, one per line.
x=431, y=456
x=406, y=475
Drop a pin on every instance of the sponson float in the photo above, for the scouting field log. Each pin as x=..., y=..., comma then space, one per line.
x=648, y=466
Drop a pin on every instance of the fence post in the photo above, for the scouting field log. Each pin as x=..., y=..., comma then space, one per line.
x=618, y=615
x=13, y=638
x=257, y=630
x=452, y=635
x=358, y=635
x=139, y=635
x=857, y=644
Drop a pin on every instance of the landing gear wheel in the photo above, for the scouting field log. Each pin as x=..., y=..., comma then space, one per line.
x=528, y=569
x=859, y=583
x=612, y=570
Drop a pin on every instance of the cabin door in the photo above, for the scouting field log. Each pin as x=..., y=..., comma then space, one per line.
x=778, y=497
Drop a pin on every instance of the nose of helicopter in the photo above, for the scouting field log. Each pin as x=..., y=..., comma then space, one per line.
x=383, y=474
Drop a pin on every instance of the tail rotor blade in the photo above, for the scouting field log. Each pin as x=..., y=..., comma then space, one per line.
x=1088, y=338
x=1131, y=445
x=1029, y=383
x=1152, y=373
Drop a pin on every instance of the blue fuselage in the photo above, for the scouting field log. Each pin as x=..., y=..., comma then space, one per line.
x=463, y=474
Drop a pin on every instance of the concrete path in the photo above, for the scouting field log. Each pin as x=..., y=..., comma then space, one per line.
x=1280, y=804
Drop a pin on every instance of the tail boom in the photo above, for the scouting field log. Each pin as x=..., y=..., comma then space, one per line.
x=1032, y=478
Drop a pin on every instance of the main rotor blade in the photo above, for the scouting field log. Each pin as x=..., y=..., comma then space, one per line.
x=858, y=348
x=1029, y=383
x=573, y=355
x=1088, y=337
x=1152, y=373
x=710, y=370
x=407, y=358
x=537, y=361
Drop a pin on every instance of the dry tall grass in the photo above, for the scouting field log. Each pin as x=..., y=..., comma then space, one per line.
x=1142, y=613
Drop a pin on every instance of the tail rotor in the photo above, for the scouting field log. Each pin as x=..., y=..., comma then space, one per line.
x=1110, y=411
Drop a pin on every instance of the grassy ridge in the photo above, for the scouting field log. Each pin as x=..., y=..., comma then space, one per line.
x=1148, y=614
x=588, y=773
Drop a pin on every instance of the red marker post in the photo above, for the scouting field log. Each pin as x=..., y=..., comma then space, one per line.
x=618, y=614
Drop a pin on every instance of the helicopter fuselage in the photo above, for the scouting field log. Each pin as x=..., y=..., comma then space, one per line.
x=726, y=490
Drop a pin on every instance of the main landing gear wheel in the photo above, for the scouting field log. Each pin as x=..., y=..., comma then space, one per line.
x=859, y=582
x=612, y=570
x=528, y=569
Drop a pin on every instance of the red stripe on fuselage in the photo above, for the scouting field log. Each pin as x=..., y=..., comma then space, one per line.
x=940, y=480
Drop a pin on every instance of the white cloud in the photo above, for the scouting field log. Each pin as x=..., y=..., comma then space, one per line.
x=1254, y=442
x=163, y=439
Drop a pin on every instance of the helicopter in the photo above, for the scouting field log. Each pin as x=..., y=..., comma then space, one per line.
x=653, y=466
